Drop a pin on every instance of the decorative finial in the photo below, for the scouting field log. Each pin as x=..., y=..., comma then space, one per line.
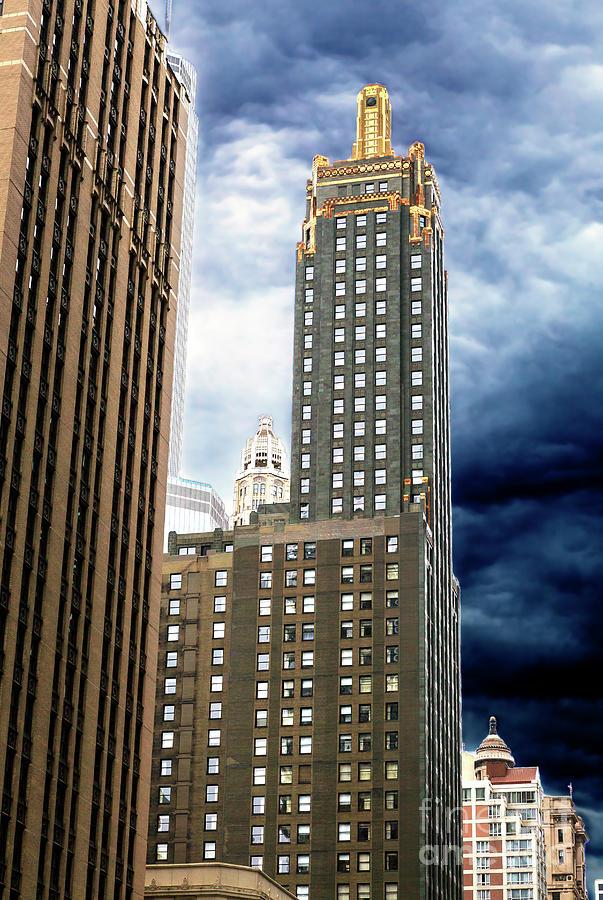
x=493, y=725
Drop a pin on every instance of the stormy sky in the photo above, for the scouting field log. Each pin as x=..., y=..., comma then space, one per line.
x=507, y=98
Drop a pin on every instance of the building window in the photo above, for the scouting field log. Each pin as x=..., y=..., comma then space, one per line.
x=416, y=284
x=338, y=455
x=361, y=285
x=173, y=632
x=217, y=657
x=263, y=662
x=415, y=332
x=161, y=853
x=216, y=682
x=361, y=263
x=169, y=685
x=171, y=659
x=220, y=604
x=309, y=295
x=391, y=683
x=221, y=578
x=361, y=242
x=211, y=821
x=165, y=795
x=360, y=309
x=259, y=775
x=211, y=793
x=415, y=308
x=218, y=630
x=365, y=656
x=416, y=354
x=264, y=606
x=304, y=510
x=213, y=737
x=416, y=378
x=175, y=581
x=307, y=687
x=209, y=850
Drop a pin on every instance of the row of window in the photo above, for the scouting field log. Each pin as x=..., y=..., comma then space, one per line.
x=309, y=548
x=360, y=312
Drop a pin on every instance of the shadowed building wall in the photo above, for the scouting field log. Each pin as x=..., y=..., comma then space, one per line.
x=92, y=159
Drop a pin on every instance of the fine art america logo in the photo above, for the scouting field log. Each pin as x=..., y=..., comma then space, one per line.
x=444, y=822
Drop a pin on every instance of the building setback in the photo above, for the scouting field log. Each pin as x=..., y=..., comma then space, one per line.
x=92, y=147
x=308, y=714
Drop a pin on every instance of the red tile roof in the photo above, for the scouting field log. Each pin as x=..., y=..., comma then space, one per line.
x=517, y=775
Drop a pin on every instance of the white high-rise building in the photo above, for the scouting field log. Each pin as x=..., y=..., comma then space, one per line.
x=264, y=473
x=187, y=75
x=192, y=507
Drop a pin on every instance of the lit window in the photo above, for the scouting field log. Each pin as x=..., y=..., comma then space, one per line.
x=211, y=793
x=259, y=775
x=171, y=659
x=361, y=286
x=304, y=486
x=415, y=261
x=173, y=632
x=415, y=308
x=169, y=686
x=380, y=332
x=361, y=241
x=344, y=772
x=415, y=331
x=417, y=426
x=365, y=684
x=391, y=769
x=379, y=501
x=336, y=505
x=166, y=766
x=346, y=658
x=306, y=436
x=416, y=378
x=415, y=284
x=217, y=657
x=380, y=284
x=339, y=335
x=213, y=737
x=161, y=853
x=286, y=775
x=381, y=238
x=221, y=578
x=344, y=831
x=339, y=358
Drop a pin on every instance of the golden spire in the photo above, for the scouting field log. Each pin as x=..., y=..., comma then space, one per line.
x=373, y=123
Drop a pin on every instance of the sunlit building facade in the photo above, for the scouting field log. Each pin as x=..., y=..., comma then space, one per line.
x=264, y=473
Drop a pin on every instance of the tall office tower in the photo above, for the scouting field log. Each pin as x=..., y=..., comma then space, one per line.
x=370, y=429
x=307, y=710
x=264, y=473
x=187, y=76
x=92, y=143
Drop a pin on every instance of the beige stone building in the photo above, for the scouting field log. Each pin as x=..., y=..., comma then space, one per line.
x=565, y=837
x=211, y=881
x=264, y=473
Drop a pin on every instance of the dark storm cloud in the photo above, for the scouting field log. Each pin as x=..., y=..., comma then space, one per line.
x=507, y=99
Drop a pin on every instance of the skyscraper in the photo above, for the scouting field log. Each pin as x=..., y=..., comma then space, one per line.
x=92, y=144
x=307, y=714
x=187, y=76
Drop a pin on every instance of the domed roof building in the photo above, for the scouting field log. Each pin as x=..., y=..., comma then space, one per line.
x=493, y=749
x=264, y=473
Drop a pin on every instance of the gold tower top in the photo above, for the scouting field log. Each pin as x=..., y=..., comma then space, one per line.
x=373, y=123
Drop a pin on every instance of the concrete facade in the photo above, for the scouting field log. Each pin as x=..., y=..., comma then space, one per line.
x=92, y=138
x=264, y=474
x=565, y=840
x=211, y=881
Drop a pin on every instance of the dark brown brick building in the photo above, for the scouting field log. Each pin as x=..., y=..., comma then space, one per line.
x=92, y=131
x=308, y=698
